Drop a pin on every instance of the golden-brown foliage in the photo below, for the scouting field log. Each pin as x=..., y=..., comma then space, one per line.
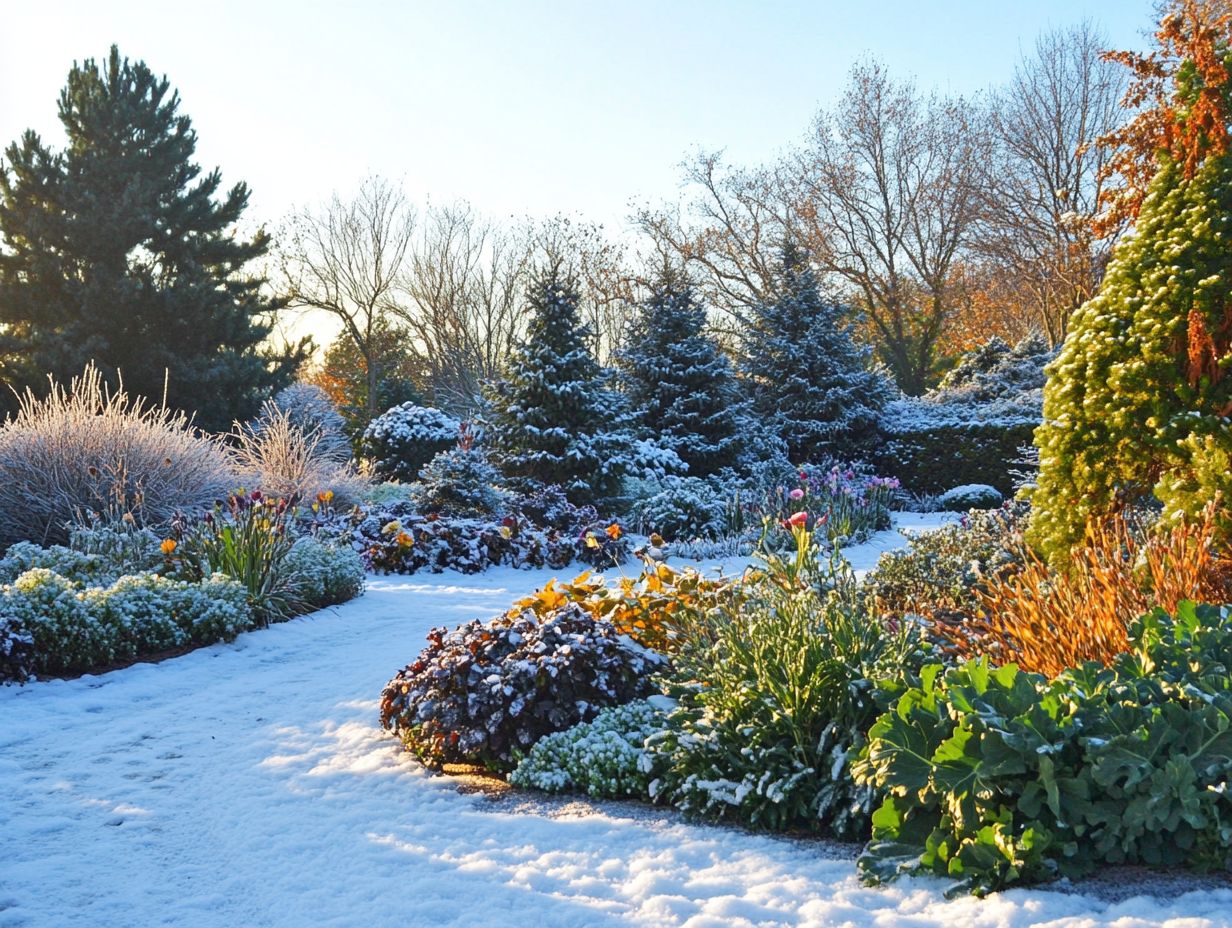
x=1045, y=620
x=1182, y=102
x=658, y=609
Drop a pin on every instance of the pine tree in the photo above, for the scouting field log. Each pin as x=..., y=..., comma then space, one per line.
x=117, y=251
x=1137, y=403
x=552, y=420
x=680, y=386
x=804, y=371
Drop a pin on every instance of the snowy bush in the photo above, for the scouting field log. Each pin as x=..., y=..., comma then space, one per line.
x=549, y=507
x=324, y=574
x=460, y=482
x=970, y=496
x=485, y=692
x=75, y=628
x=402, y=440
x=309, y=408
x=937, y=573
x=397, y=539
x=16, y=651
x=603, y=758
x=683, y=509
x=85, y=449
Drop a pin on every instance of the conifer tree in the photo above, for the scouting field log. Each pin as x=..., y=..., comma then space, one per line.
x=680, y=386
x=805, y=373
x=117, y=250
x=1138, y=401
x=552, y=420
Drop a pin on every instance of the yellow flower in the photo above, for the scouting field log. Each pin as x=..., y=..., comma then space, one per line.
x=506, y=531
x=591, y=540
x=613, y=531
x=168, y=546
x=391, y=528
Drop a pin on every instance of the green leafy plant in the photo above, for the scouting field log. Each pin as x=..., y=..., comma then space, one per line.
x=247, y=539
x=996, y=776
x=776, y=695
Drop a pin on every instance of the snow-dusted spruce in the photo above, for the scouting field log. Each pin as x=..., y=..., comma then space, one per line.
x=552, y=419
x=603, y=758
x=405, y=438
x=806, y=374
x=485, y=692
x=680, y=386
x=460, y=481
x=683, y=509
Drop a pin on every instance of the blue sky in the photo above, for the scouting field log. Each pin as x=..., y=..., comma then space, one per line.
x=521, y=107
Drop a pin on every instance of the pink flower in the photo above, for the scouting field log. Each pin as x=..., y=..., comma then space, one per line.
x=797, y=520
x=797, y=494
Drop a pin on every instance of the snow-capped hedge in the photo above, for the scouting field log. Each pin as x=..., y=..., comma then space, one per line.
x=972, y=427
x=970, y=496
x=402, y=440
x=326, y=574
x=485, y=692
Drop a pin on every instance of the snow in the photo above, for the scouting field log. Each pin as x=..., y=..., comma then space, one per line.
x=248, y=785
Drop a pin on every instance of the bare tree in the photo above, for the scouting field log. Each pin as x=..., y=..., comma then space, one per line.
x=1042, y=187
x=885, y=194
x=345, y=259
x=461, y=299
x=726, y=237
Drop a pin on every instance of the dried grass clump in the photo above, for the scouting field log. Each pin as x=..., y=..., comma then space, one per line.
x=1045, y=620
x=78, y=450
x=286, y=460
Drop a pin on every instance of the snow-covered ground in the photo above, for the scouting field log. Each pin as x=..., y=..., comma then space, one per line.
x=248, y=785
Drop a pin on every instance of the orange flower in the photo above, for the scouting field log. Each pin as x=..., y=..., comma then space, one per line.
x=404, y=540
x=168, y=546
x=613, y=531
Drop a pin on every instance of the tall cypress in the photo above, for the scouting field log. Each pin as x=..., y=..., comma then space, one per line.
x=118, y=250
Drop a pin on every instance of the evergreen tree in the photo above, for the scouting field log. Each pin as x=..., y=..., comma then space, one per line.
x=117, y=251
x=552, y=420
x=681, y=388
x=804, y=371
x=1137, y=403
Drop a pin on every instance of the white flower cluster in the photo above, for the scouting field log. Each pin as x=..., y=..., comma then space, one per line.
x=602, y=758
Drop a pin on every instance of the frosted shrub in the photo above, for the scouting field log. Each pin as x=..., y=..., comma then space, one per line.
x=324, y=574
x=76, y=628
x=310, y=409
x=485, y=692
x=67, y=634
x=603, y=758
x=460, y=482
x=970, y=496
x=16, y=651
x=83, y=446
x=276, y=454
x=93, y=556
x=401, y=441
x=683, y=509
